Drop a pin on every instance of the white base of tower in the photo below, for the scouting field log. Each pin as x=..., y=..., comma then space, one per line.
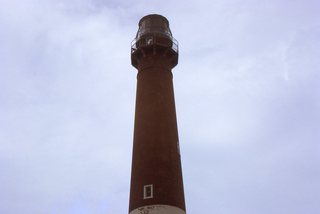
x=158, y=209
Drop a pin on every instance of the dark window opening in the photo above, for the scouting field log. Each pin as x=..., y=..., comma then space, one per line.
x=147, y=191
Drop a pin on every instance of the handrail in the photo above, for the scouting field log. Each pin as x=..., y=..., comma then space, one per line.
x=142, y=31
x=151, y=39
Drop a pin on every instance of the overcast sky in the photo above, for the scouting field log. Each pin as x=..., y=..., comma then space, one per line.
x=247, y=97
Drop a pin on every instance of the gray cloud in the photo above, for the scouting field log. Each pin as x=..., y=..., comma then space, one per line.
x=246, y=95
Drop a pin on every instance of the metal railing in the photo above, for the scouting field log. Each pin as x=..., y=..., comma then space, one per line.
x=160, y=31
x=163, y=40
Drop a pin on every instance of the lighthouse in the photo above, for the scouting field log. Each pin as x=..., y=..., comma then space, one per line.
x=156, y=176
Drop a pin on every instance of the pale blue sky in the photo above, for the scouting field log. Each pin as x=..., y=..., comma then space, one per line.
x=247, y=99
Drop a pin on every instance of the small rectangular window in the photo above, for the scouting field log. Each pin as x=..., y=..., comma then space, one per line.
x=178, y=147
x=148, y=191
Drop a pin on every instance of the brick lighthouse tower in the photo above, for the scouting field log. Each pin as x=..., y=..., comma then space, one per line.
x=156, y=176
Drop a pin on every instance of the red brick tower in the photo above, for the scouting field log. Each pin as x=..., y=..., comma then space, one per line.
x=156, y=176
